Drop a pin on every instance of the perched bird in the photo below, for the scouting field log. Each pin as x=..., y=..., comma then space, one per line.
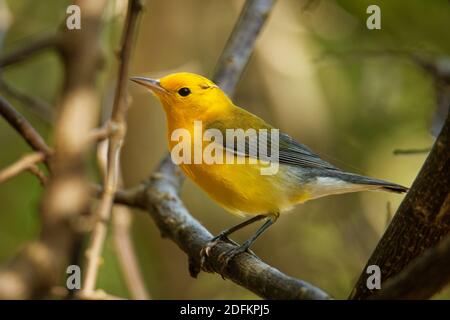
x=241, y=188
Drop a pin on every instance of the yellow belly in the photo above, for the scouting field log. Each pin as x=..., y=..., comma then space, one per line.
x=242, y=189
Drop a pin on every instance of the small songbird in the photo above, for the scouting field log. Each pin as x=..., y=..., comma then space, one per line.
x=241, y=188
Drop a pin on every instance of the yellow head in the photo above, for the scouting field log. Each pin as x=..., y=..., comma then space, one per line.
x=187, y=96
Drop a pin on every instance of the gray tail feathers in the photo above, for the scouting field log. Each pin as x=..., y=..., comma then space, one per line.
x=362, y=180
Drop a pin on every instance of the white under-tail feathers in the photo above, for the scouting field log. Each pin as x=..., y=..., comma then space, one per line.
x=323, y=186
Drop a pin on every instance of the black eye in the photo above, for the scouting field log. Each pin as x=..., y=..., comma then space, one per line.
x=184, y=92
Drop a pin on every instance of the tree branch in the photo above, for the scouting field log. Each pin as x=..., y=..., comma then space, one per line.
x=425, y=276
x=411, y=151
x=115, y=144
x=34, y=169
x=101, y=133
x=38, y=107
x=121, y=224
x=421, y=221
x=23, y=53
x=240, y=44
x=27, y=162
x=24, y=128
x=159, y=197
x=126, y=254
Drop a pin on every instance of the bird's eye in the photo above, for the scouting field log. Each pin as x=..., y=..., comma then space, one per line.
x=184, y=92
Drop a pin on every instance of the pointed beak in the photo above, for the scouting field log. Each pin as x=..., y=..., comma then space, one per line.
x=152, y=84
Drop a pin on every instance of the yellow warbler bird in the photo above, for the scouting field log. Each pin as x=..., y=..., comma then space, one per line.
x=189, y=99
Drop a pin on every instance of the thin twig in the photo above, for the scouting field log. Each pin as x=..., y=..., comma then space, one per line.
x=36, y=106
x=33, y=138
x=388, y=214
x=46, y=42
x=28, y=162
x=103, y=212
x=34, y=169
x=411, y=151
x=102, y=133
x=24, y=128
x=122, y=219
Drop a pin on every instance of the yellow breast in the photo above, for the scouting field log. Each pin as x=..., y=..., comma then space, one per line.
x=242, y=189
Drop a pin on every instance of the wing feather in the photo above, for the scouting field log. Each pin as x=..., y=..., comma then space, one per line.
x=290, y=151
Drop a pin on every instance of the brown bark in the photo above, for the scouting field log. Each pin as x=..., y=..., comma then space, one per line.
x=422, y=278
x=421, y=222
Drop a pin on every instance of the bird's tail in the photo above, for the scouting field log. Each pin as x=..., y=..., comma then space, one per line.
x=367, y=181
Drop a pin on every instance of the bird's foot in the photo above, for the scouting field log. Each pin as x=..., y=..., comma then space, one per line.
x=226, y=257
x=206, y=250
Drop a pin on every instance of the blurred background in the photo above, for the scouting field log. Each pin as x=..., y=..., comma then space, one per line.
x=351, y=94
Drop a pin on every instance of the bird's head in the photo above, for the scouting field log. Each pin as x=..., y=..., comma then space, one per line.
x=186, y=94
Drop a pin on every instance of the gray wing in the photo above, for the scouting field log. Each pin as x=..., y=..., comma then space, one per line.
x=290, y=152
x=294, y=153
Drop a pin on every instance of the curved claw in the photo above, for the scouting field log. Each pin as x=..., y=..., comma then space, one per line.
x=204, y=254
x=206, y=250
x=226, y=257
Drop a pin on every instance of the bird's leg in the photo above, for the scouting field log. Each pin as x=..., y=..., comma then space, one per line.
x=225, y=233
x=229, y=255
x=204, y=253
